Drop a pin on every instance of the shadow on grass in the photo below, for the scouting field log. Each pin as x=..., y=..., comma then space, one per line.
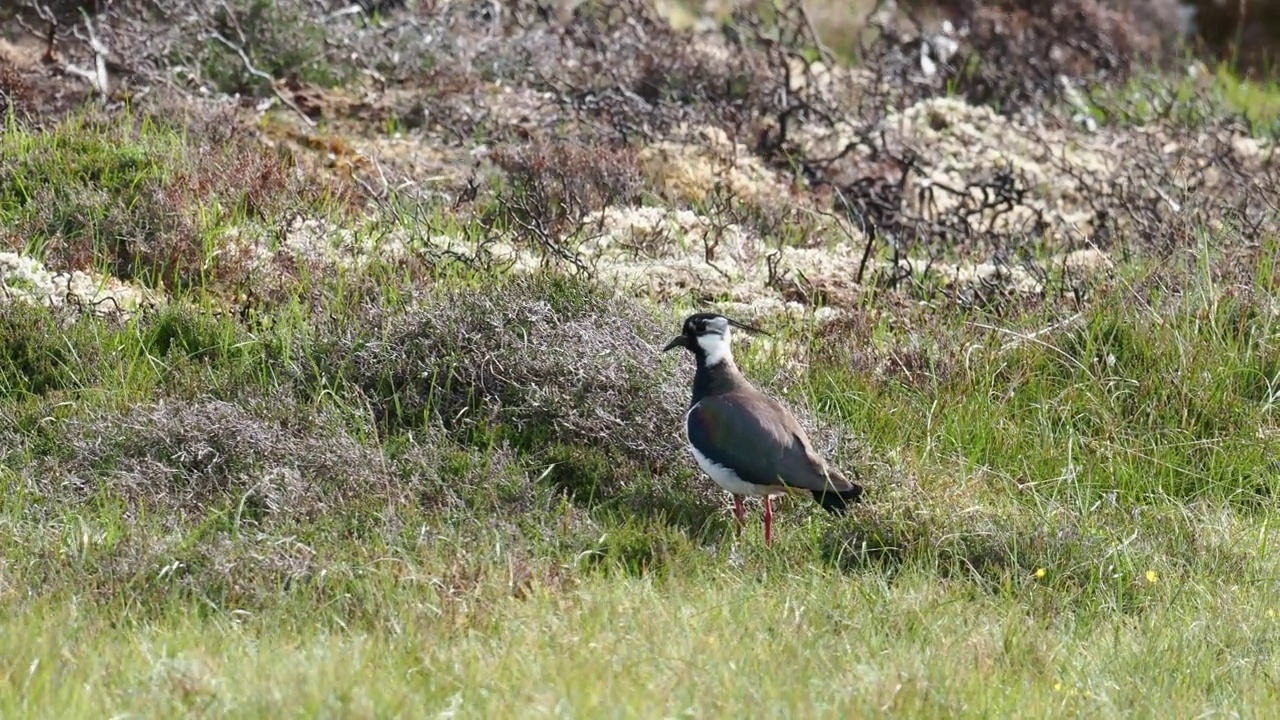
x=601, y=482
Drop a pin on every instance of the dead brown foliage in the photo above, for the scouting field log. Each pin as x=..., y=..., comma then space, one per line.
x=15, y=93
x=551, y=187
x=1014, y=54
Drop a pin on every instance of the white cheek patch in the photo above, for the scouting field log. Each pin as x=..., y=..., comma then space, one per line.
x=715, y=347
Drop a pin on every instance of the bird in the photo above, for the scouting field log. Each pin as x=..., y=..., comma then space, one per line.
x=746, y=441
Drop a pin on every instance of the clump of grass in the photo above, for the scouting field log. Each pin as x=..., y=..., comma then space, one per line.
x=37, y=356
x=1101, y=556
x=267, y=455
x=547, y=359
x=142, y=198
x=1171, y=399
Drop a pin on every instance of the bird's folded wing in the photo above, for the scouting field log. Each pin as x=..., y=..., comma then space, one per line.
x=749, y=435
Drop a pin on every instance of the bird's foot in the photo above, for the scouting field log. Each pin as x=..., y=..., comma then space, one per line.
x=739, y=514
x=768, y=520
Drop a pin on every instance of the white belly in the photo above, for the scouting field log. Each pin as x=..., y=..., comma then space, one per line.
x=729, y=479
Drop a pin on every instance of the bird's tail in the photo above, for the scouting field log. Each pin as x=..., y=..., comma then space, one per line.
x=837, y=501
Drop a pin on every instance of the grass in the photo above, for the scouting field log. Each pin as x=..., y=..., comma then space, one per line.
x=708, y=645
x=408, y=486
x=144, y=198
x=1050, y=531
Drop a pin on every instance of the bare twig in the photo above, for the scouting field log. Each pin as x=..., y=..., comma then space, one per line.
x=98, y=76
x=248, y=66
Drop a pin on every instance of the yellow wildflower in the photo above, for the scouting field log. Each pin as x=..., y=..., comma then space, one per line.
x=1151, y=577
x=1039, y=572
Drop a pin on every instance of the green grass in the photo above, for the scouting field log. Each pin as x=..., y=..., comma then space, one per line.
x=770, y=640
x=143, y=198
x=1048, y=531
x=374, y=494
x=1194, y=101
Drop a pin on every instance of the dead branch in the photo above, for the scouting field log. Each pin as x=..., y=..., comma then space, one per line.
x=249, y=67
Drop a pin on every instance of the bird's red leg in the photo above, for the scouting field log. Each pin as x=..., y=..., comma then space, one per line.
x=768, y=520
x=739, y=512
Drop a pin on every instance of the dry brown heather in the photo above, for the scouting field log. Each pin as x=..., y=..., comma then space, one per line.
x=329, y=371
x=696, y=164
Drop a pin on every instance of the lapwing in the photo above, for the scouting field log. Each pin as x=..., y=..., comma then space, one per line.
x=745, y=440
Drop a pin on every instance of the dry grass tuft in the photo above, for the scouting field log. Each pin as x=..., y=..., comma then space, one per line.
x=267, y=456
x=550, y=360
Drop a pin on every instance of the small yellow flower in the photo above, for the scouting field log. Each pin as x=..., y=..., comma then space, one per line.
x=1057, y=686
x=1040, y=572
x=1151, y=577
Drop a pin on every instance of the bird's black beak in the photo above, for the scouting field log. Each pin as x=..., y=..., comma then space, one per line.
x=677, y=341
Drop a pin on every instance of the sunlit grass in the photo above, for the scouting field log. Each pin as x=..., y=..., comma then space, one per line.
x=205, y=511
x=1052, y=527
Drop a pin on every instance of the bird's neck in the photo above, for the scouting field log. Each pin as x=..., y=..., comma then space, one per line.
x=715, y=379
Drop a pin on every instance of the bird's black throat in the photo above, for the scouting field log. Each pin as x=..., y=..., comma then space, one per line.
x=701, y=378
x=713, y=379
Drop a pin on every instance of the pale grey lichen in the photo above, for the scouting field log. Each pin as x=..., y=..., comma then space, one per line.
x=26, y=279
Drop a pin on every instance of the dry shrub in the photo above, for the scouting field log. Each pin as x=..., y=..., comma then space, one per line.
x=1024, y=46
x=543, y=360
x=551, y=187
x=925, y=171
x=624, y=73
x=237, y=47
x=268, y=455
x=1012, y=54
x=15, y=92
x=619, y=73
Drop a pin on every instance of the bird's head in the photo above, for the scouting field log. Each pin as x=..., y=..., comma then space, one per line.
x=706, y=335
